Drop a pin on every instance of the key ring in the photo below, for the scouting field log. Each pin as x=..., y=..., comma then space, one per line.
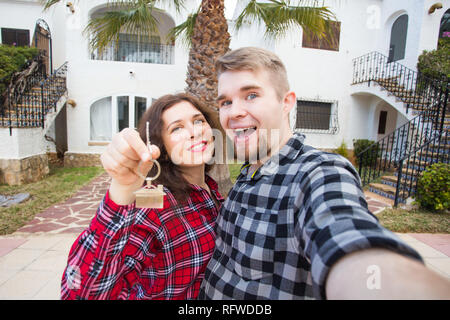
x=149, y=179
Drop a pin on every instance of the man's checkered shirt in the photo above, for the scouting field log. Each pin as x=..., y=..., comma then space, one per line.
x=280, y=231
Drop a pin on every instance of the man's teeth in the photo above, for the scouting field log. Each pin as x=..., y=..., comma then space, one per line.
x=244, y=131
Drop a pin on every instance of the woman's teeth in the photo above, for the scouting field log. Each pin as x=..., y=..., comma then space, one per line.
x=198, y=147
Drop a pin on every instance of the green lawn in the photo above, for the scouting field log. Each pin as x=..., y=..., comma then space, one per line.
x=234, y=170
x=59, y=185
x=415, y=221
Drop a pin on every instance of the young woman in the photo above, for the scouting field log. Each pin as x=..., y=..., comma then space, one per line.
x=144, y=253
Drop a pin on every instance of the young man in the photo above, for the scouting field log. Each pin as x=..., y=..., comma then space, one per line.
x=296, y=224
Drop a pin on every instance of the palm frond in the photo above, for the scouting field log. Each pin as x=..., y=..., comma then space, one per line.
x=185, y=30
x=177, y=4
x=280, y=16
x=48, y=3
x=133, y=17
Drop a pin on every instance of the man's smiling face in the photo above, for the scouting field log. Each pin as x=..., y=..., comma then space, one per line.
x=251, y=112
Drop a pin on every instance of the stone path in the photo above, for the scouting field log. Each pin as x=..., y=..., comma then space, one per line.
x=72, y=216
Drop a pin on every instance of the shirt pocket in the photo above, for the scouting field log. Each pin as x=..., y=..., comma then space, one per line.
x=253, y=242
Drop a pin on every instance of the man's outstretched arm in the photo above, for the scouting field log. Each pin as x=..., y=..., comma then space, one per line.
x=383, y=274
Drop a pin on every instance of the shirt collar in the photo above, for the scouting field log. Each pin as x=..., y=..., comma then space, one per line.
x=289, y=151
x=213, y=186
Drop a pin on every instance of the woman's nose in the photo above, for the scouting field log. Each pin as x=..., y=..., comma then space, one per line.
x=195, y=131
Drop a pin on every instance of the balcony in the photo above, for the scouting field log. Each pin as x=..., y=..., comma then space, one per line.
x=143, y=49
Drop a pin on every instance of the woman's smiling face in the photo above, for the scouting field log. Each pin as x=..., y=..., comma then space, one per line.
x=186, y=135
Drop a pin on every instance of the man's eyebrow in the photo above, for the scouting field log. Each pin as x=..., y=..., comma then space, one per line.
x=243, y=89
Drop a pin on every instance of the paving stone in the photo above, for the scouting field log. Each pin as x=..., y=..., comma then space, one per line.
x=41, y=227
x=76, y=230
x=7, y=245
x=68, y=220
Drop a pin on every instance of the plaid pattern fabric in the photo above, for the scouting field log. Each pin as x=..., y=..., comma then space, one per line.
x=281, y=229
x=131, y=253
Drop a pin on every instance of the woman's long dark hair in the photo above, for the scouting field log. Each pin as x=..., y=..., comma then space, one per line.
x=171, y=176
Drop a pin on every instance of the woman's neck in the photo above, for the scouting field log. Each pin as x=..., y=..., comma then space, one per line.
x=194, y=175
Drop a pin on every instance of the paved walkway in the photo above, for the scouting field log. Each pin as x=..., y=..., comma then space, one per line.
x=33, y=258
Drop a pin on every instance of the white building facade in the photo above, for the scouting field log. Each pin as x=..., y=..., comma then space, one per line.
x=108, y=91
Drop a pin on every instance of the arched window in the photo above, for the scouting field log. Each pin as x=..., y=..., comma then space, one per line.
x=397, y=45
x=157, y=47
x=444, y=30
x=115, y=113
x=101, y=120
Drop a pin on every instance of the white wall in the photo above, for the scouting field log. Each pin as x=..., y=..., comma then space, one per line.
x=23, y=143
x=429, y=32
x=391, y=119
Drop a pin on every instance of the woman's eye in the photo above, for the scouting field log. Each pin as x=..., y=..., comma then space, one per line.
x=198, y=122
x=224, y=103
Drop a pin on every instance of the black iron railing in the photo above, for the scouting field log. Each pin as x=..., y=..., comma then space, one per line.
x=18, y=103
x=411, y=142
x=52, y=89
x=414, y=89
x=385, y=154
x=137, y=52
x=411, y=166
x=29, y=101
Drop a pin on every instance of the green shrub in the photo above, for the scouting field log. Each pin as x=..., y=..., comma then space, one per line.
x=13, y=59
x=369, y=159
x=433, y=187
x=342, y=150
x=435, y=63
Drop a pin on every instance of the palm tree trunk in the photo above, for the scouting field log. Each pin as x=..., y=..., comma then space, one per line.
x=210, y=41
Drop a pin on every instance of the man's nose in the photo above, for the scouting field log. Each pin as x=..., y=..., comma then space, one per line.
x=237, y=110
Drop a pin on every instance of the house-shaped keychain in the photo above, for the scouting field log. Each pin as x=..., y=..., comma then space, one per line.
x=150, y=197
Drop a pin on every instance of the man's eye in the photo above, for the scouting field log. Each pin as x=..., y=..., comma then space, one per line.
x=252, y=96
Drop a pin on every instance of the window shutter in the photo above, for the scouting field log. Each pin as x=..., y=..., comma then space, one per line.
x=330, y=41
x=15, y=37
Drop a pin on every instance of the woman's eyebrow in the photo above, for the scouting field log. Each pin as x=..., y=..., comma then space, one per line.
x=196, y=115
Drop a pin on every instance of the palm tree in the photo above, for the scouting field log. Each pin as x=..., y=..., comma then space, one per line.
x=206, y=31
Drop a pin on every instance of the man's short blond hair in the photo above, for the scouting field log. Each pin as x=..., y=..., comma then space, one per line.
x=256, y=59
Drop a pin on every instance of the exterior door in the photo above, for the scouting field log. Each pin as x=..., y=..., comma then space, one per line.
x=41, y=40
x=397, y=44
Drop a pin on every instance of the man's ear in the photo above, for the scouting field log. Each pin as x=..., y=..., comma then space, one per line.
x=289, y=101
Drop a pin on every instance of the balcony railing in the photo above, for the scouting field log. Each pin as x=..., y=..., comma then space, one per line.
x=137, y=52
